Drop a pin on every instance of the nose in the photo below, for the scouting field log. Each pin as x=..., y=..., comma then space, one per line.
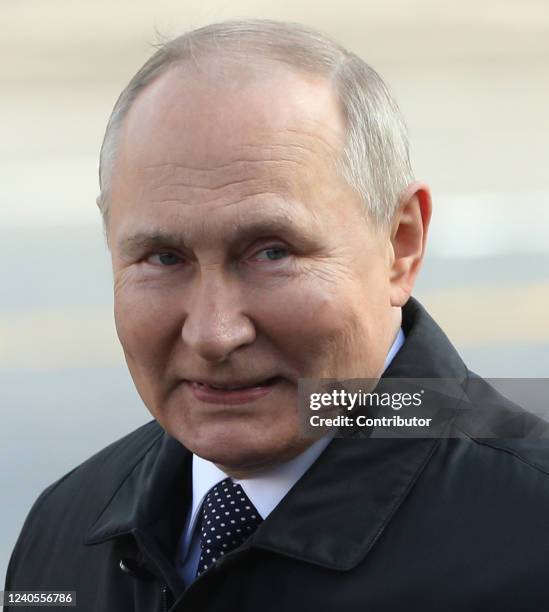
x=215, y=325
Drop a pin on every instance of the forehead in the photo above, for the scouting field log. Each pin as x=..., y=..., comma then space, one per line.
x=210, y=117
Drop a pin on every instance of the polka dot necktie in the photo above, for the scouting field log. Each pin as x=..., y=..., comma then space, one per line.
x=228, y=518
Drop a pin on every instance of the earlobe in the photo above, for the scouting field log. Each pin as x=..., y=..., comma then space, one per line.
x=408, y=239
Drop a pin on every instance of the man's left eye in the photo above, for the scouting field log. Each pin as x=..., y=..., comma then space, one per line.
x=272, y=254
x=165, y=259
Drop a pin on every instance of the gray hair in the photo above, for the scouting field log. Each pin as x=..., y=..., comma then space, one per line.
x=375, y=159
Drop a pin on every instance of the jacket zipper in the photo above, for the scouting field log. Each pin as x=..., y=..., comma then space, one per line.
x=164, y=598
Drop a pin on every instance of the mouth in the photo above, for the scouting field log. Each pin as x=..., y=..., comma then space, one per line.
x=238, y=392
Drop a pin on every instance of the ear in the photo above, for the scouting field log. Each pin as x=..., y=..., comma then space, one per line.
x=408, y=239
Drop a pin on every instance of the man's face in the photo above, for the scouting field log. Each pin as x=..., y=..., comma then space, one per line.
x=241, y=259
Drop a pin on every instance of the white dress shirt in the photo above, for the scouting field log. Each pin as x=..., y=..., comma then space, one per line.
x=265, y=490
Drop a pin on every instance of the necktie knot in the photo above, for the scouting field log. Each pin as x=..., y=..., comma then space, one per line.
x=228, y=518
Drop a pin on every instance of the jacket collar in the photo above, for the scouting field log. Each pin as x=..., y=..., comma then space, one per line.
x=139, y=500
x=348, y=495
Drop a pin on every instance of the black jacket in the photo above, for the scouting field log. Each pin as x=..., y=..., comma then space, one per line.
x=374, y=525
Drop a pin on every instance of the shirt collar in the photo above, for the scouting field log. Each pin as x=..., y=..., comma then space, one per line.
x=395, y=347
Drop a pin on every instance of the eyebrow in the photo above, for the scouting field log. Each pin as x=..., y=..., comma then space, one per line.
x=149, y=240
x=144, y=241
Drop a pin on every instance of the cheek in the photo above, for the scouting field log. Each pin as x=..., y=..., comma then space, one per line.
x=313, y=325
x=146, y=324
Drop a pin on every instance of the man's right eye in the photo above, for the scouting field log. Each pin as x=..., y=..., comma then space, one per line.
x=164, y=259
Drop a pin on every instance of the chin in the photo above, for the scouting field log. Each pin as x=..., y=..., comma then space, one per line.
x=233, y=446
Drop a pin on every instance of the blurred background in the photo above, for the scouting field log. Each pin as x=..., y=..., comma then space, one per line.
x=472, y=79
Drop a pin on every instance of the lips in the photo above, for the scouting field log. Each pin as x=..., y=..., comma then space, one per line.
x=234, y=392
x=232, y=386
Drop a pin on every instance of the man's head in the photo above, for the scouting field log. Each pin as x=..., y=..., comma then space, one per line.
x=244, y=253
